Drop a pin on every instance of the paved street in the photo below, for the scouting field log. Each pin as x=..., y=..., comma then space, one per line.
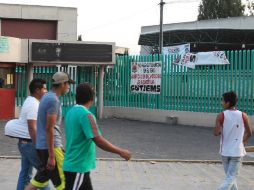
x=147, y=141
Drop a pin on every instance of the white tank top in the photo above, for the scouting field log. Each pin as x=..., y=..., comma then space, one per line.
x=232, y=134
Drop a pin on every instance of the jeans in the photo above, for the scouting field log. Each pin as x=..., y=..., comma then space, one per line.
x=231, y=167
x=29, y=159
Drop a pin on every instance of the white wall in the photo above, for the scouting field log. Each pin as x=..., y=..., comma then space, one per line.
x=163, y=116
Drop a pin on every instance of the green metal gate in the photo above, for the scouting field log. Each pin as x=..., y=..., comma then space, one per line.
x=184, y=89
x=89, y=75
x=79, y=74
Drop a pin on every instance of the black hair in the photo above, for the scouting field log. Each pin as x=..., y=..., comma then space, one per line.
x=230, y=97
x=36, y=83
x=84, y=93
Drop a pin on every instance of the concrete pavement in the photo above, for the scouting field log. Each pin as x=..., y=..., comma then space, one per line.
x=147, y=140
x=132, y=175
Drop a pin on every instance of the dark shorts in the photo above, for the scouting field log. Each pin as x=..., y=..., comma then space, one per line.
x=77, y=181
x=56, y=175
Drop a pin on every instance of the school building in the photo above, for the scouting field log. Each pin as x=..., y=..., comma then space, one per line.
x=36, y=41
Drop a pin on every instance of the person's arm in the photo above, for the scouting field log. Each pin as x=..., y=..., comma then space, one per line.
x=92, y=131
x=102, y=143
x=218, y=124
x=248, y=128
x=32, y=129
x=50, y=125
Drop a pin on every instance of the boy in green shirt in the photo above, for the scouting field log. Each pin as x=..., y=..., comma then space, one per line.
x=82, y=134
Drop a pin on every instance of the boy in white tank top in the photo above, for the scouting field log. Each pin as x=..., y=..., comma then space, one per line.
x=234, y=128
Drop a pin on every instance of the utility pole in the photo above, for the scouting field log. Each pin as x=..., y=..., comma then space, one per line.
x=161, y=26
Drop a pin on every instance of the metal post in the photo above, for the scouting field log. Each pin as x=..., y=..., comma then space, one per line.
x=100, y=92
x=29, y=68
x=29, y=75
x=161, y=26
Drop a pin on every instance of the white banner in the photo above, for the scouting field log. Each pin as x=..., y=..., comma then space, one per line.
x=180, y=49
x=186, y=58
x=146, y=77
x=204, y=58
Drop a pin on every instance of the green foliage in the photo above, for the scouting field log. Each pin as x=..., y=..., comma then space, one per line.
x=213, y=9
x=249, y=7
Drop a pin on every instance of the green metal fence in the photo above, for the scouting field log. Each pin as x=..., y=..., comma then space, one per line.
x=21, y=80
x=184, y=89
x=21, y=84
x=79, y=74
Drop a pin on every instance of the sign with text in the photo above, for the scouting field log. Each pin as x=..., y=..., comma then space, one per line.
x=146, y=77
x=174, y=50
x=179, y=51
x=71, y=52
x=204, y=58
x=4, y=45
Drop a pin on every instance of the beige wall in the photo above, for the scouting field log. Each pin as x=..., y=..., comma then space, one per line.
x=66, y=17
x=17, y=51
x=163, y=116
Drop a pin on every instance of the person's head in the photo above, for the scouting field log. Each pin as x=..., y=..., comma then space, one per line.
x=84, y=94
x=37, y=87
x=229, y=100
x=61, y=82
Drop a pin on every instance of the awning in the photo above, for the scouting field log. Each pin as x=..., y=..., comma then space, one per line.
x=218, y=34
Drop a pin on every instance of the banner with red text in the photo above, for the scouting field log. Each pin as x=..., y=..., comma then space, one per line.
x=146, y=77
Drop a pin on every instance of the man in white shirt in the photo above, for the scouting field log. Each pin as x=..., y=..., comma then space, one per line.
x=234, y=128
x=25, y=129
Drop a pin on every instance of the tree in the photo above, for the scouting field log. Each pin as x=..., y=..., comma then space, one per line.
x=249, y=7
x=213, y=9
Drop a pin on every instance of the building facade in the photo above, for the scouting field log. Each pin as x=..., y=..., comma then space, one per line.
x=38, y=22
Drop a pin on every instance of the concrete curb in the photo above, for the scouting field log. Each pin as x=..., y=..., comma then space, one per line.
x=152, y=161
x=173, y=161
x=10, y=157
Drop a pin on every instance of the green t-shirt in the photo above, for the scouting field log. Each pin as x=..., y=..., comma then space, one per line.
x=80, y=129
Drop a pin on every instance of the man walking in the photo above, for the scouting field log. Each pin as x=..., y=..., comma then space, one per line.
x=235, y=129
x=49, y=142
x=25, y=129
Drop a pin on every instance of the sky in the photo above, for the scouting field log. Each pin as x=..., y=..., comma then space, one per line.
x=120, y=21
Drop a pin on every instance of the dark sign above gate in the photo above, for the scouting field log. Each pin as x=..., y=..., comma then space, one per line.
x=71, y=52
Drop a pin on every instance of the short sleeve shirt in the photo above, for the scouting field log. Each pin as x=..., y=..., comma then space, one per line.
x=80, y=129
x=49, y=105
x=19, y=127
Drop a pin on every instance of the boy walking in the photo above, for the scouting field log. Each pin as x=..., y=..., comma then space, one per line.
x=82, y=134
x=235, y=129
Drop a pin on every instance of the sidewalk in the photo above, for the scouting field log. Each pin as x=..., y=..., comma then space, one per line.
x=121, y=175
